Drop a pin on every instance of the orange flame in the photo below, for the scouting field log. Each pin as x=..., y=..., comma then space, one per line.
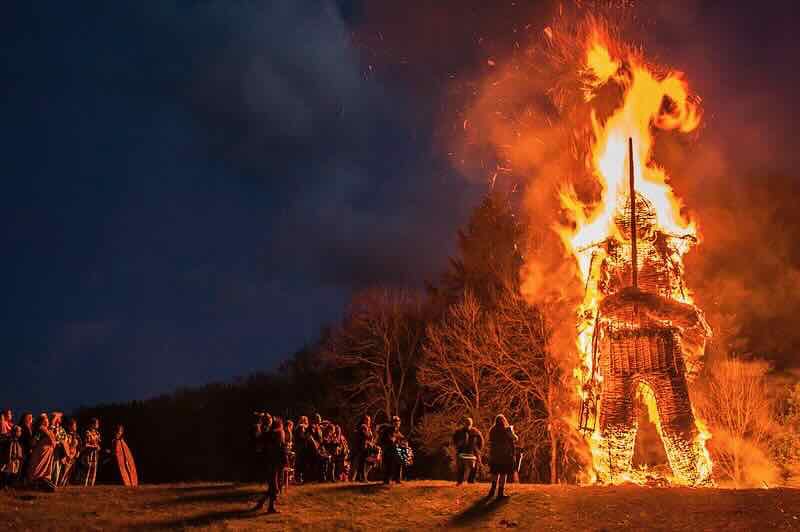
x=650, y=101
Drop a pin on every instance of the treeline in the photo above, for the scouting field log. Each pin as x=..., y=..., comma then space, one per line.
x=469, y=345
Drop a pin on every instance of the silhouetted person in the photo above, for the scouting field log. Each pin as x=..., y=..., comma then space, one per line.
x=275, y=462
x=501, y=454
x=363, y=445
x=6, y=430
x=302, y=450
x=390, y=438
x=13, y=456
x=27, y=440
x=468, y=442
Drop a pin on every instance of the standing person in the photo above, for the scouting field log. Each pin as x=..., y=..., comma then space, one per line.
x=27, y=440
x=332, y=449
x=342, y=458
x=468, y=442
x=315, y=429
x=291, y=457
x=58, y=454
x=501, y=454
x=13, y=458
x=91, y=453
x=288, y=433
x=300, y=444
x=124, y=458
x=363, y=443
x=390, y=438
x=6, y=423
x=275, y=461
x=40, y=467
x=72, y=447
x=6, y=429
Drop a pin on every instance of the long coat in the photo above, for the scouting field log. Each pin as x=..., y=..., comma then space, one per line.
x=41, y=464
x=501, y=449
x=125, y=463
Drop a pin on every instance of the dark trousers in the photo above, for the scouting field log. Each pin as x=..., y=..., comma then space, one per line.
x=392, y=468
x=360, y=467
x=273, y=479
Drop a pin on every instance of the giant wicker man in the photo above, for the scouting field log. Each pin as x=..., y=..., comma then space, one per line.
x=645, y=335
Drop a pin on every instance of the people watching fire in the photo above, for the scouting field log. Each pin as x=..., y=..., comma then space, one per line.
x=502, y=442
x=319, y=451
x=49, y=453
x=363, y=447
x=468, y=442
x=391, y=441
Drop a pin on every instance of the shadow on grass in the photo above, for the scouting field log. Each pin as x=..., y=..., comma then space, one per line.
x=202, y=520
x=481, y=509
x=205, y=487
x=370, y=487
x=225, y=496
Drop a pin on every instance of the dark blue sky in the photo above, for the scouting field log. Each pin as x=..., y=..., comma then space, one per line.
x=191, y=189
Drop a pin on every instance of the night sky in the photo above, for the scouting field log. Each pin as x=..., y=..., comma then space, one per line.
x=192, y=189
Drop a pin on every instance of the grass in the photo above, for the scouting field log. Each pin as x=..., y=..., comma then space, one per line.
x=422, y=505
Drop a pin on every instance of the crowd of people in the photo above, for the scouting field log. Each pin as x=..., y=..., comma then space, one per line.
x=47, y=453
x=319, y=451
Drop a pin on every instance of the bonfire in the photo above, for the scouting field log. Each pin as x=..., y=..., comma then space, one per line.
x=640, y=334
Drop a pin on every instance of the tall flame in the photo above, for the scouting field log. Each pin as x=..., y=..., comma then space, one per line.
x=650, y=101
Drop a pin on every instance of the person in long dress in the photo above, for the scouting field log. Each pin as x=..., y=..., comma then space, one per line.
x=40, y=466
x=124, y=459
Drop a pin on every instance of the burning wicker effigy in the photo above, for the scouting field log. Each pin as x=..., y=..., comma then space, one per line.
x=644, y=337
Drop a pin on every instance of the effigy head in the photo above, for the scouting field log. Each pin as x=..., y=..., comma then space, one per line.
x=645, y=218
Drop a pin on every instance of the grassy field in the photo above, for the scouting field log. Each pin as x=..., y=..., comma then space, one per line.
x=412, y=506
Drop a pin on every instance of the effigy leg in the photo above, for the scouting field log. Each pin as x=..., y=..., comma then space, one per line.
x=618, y=426
x=677, y=426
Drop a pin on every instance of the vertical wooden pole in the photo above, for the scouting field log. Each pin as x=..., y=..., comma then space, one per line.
x=634, y=261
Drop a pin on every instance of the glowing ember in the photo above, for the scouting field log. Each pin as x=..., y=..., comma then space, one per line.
x=640, y=333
